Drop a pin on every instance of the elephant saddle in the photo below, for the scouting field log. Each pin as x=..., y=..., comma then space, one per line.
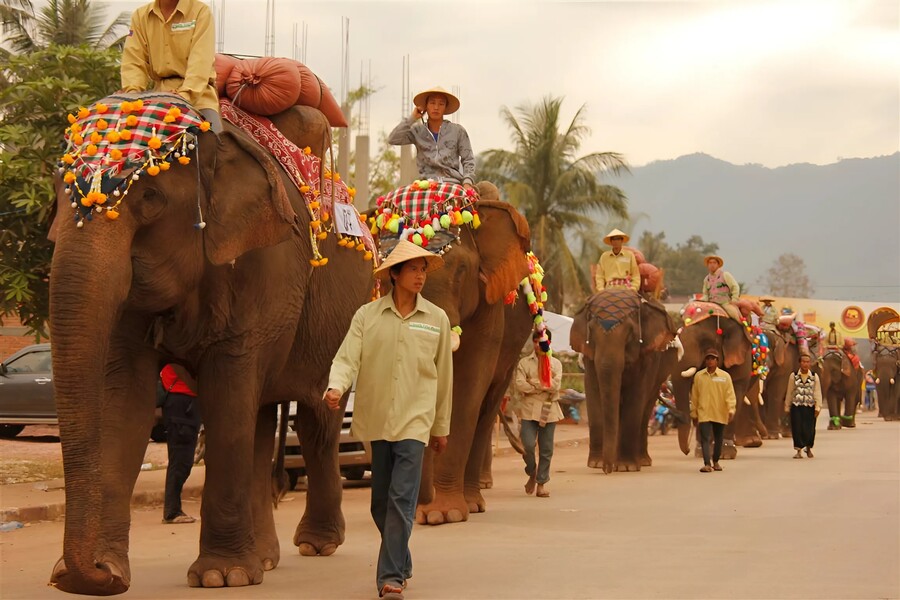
x=696, y=311
x=610, y=307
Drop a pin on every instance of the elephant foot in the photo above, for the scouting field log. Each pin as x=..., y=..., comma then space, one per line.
x=834, y=423
x=475, y=501
x=729, y=450
x=486, y=484
x=646, y=461
x=321, y=538
x=628, y=466
x=848, y=421
x=268, y=551
x=110, y=576
x=217, y=571
x=444, y=508
x=749, y=441
x=773, y=436
x=596, y=462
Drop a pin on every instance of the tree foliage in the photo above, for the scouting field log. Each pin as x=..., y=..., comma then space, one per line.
x=787, y=277
x=38, y=90
x=683, y=263
x=554, y=188
x=60, y=23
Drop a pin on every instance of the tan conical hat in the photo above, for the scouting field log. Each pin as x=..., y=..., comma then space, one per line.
x=714, y=257
x=616, y=233
x=421, y=99
x=404, y=251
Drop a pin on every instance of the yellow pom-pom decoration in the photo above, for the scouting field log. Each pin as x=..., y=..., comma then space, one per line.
x=336, y=177
x=342, y=242
x=168, y=119
x=184, y=160
x=115, y=154
x=126, y=107
x=164, y=166
x=91, y=150
x=314, y=224
x=323, y=261
x=112, y=215
x=86, y=201
x=68, y=158
x=96, y=138
x=360, y=247
x=77, y=139
x=69, y=177
x=153, y=171
x=113, y=136
x=204, y=126
x=131, y=121
x=351, y=191
x=125, y=135
x=325, y=216
x=304, y=189
x=307, y=150
x=313, y=205
x=362, y=218
x=71, y=118
x=314, y=262
x=154, y=143
x=174, y=111
x=367, y=255
x=322, y=235
x=83, y=113
x=101, y=108
x=102, y=124
x=76, y=128
x=139, y=104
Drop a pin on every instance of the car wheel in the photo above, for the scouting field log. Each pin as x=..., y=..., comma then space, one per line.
x=354, y=473
x=10, y=431
x=158, y=433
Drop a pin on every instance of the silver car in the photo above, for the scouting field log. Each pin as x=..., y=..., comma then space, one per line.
x=26, y=390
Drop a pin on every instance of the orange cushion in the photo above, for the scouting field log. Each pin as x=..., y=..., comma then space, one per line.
x=265, y=86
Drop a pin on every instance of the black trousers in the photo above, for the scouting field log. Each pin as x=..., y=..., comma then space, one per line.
x=803, y=426
x=182, y=422
x=711, y=432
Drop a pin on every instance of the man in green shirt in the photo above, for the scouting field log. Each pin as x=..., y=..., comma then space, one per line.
x=398, y=349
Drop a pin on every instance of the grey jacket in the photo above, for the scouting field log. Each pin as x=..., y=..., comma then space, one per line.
x=450, y=158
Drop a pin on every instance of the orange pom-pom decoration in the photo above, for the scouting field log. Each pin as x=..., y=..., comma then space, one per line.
x=325, y=216
x=131, y=121
x=139, y=104
x=115, y=154
x=168, y=119
x=204, y=126
x=314, y=224
x=91, y=150
x=323, y=261
x=68, y=158
x=102, y=124
x=304, y=188
x=113, y=136
x=164, y=166
x=313, y=205
x=75, y=128
x=126, y=107
x=112, y=215
x=183, y=160
x=154, y=143
x=322, y=235
x=125, y=135
x=101, y=108
x=86, y=201
x=153, y=171
x=367, y=255
x=69, y=177
x=307, y=150
x=70, y=118
x=83, y=113
x=78, y=139
x=96, y=138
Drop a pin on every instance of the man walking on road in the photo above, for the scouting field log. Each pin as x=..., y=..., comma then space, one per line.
x=803, y=401
x=398, y=349
x=712, y=407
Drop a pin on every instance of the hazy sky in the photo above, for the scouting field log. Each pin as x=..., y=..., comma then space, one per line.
x=770, y=82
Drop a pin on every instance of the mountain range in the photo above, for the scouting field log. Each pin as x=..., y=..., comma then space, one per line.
x=842, y=219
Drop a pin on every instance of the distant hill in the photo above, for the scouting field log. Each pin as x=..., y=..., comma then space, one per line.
x=843, y=219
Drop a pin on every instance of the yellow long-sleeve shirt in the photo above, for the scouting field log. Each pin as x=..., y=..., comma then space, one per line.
x=618, y=271
x=403, y=368
x=175, y=55
x=712, y=397
x=532, y=394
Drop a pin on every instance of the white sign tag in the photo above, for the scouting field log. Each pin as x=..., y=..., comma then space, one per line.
x=347, y=220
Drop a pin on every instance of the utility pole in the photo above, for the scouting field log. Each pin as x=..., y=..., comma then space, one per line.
x=361, y=176
x=408, y=170
x=343, y=165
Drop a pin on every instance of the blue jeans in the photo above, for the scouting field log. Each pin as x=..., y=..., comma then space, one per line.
x=530, y=433
x=396, y=475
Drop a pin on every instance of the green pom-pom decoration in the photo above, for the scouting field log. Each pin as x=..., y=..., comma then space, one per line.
x=417, y=239
x=457, y=329
x=530, y=298
x=711, y=311
x=466, y=216
x=445, y=221
x=538, y=320
x=394, y=225
x=543, y=296
x=424, y=184
x=379, y=222
x=428, y=232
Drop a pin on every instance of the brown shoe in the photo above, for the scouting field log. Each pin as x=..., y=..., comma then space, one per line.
x=809, y=452
x=542, y=492
x=529, y=485
x=706, y=469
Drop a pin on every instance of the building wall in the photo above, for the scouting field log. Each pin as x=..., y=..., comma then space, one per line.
x=13, y=337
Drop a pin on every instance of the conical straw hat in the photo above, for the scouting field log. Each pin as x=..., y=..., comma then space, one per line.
x=421, y=99
x=616, y=233
x=714, y=257
x=404, y=251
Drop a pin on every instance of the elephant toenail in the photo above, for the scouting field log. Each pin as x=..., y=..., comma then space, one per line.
x=213, y=579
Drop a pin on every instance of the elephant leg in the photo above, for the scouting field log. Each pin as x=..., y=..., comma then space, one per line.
x=486, y=476
x=123, y=432
x=229, y=404
x=630, y=413
x=321, y=530
x=263, y=520
x=481, y=445
x=595, y=418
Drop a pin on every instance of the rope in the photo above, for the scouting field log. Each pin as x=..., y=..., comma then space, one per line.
x=200, y=224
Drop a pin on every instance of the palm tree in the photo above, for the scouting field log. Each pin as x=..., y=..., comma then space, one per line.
x=59, y=22
x=556, y=190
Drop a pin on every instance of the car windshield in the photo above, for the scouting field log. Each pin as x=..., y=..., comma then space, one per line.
x=33, y=362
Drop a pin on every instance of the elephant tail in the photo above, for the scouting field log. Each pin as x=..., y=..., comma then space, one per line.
x=280, y=482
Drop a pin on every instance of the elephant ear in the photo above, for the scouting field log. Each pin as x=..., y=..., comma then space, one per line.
x=735, y=345
x=578, y=334
x=502, y=239
x=248, y=205
x=780, y=348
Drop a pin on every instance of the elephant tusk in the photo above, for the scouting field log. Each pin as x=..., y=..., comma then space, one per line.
x=892, y=381
x=689, y=373
x=746, y=400
x=878, y=381
x=680, y=348
x=454, y=341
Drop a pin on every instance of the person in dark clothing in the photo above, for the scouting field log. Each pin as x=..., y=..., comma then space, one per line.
x=803, y=401
x=182, y=420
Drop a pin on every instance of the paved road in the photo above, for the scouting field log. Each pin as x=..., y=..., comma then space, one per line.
x=766, y=527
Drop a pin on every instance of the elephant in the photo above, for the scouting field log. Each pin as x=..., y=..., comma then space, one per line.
x=730, y=339
x=241, y=306
x=785, y=359
x=841, y=385
x=622, y=337
x=887, y=380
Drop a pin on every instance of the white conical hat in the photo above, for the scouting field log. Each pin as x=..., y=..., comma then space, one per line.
x=616, y=233
x=404, y=251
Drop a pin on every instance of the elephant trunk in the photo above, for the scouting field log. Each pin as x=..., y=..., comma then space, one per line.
x=86, y=297
x=682, y=390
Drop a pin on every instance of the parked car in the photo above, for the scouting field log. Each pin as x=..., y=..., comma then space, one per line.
x=354, y=456
x=26, y=393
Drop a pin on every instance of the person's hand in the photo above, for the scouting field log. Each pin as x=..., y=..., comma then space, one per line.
x=333, y=398
x=817, y=413
x=417, y=113
x=438, y=443
x=695, y=421
x=731, y=416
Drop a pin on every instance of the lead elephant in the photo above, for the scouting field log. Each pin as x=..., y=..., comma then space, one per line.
x=887, y=380
x=622, y=337
x=841, y=386
x=241, y=306
x=785, y=359
x=730, y=339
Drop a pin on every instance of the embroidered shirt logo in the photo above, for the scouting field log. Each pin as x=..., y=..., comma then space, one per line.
x=719, y=379
x=425, y=328
x=184, y=26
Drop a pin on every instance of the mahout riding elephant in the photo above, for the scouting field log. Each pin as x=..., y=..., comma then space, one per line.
x=730, y=339
x=841, y=387
x=887, y=380
x=240, y=305
x=622, y=337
